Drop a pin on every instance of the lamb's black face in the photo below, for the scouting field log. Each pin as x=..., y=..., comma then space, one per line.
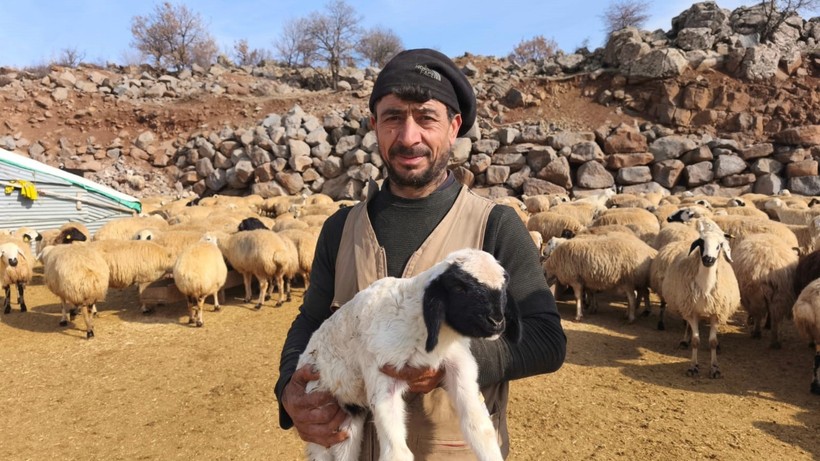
x=71, y=235
x=473, y=309
x=249, y=224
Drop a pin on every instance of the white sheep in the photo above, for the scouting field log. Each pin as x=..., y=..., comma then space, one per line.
x=642, y=222
x=125, y=228
x=135, y=262
x=200, y=271
x=703, y=285
x=262, y=254
x=601, y=262
x=764, y=267
x=77, y=274
x=806, y=314
x=16, y=262
x=550, y=224
x=305, y=242
x=424, y=321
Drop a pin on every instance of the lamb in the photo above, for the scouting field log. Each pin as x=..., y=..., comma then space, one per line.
x=806, y=314
x=200, y=271
x=764, y=267
x=77, y=274
x=423, y=321
x=16, y=262
x=601, y=262
x=703, y=285
x=550, y=224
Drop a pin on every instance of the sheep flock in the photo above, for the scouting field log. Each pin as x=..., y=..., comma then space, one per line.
x=748, y=259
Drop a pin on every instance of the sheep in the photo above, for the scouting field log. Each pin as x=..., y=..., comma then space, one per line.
x=642, y=222
x=674, y=232
x=314, y=220
x=584, y=212
x=305, y=242
x=517, y=205
x=703, y=285
x=764, y=267
x=77, y=274
x=262, y=254
x=135, y=262
x=550, y=224
x=601, y=262
x=806, y=314
x=174, y=240
x=125, y=228
x=537, y=239
x=808, y=270
x=537, y=203
x=423, y=321
x=282, y=224
x=72, y=232
x=200, y=271
x=16, y=262
x=792, y=214
x=742, y=226
x=629, y=201
x=744, y=211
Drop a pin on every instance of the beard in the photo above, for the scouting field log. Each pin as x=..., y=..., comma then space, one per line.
x=416, y=179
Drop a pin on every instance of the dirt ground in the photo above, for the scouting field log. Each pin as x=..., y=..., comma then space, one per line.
x=153, y=388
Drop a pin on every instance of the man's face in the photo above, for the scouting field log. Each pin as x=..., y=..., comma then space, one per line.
x=414, y=141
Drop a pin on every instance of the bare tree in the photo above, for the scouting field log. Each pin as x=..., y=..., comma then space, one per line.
x=625, y=13
x=378, y=45
x=534, y=49
x=777, y=12
x=247, y=56
x=294, y=47
x=173, y=36
x=70, y=57
x=335, y=33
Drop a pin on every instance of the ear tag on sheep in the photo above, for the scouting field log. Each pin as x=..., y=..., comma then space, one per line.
x=26, y=238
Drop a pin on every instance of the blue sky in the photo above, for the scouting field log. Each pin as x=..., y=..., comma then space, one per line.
x=34, y=31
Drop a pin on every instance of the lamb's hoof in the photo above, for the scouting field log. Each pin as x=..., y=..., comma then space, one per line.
x=714, y=373
x=693, y=372
x=278, y=304
x=683, y=345
x=63, y=323
x=199, y=324
x=288, y=299
x=89, y=334
x=258, y=306
x=217, y=308
x=815, y=388
x=661, y=326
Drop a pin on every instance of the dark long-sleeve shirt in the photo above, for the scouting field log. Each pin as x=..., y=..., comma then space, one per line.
x=401, y=226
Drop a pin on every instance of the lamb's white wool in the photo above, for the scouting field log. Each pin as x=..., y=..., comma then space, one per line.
x=421, y=321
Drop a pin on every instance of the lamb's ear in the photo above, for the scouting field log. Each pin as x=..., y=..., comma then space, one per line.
x=696, y=244
x=435, y=297
x=513, y=321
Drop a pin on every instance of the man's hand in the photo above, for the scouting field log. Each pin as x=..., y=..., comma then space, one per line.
x=316, y=416
x=421, y=380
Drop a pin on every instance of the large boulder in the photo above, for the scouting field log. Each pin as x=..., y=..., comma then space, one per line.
x=658, y=64
x=624, y=47
x=706, y=15
x=759, y=63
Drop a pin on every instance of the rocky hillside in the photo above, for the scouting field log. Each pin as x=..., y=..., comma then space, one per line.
x=702, y=106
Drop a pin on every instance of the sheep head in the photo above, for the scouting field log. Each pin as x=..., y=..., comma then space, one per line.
x=249, y=224
x=70, y=235
x=9, y=252
x=711, y=245
x=470, y=295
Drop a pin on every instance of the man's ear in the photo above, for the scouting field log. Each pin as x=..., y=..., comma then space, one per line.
x=433, y=305
x=455, y=125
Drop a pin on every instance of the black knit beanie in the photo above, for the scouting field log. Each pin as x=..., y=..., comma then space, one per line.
x=432, y=70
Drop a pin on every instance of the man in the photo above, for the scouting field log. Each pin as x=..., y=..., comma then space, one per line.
x=420, y=103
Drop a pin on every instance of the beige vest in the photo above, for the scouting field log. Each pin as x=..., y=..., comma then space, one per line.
x=433, y=430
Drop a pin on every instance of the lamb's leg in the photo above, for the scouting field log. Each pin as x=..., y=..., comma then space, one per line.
x=461, y=384
x=280, y=285
x=248, y=295
x=661, y=325
x=385, y=397
x=713, y=346
x=89, y=325
x=217, y=307
x=288, y=283
x=263, y=288
x=21, y=298
x=7, y=302
x=693, y=325
x=190, y=310
x=757, y=325
x=352, y=446
x=687, y=331
x=775, y=333
x=815, y=383
x=144, y=307
x=66, y=313
x=578, y=290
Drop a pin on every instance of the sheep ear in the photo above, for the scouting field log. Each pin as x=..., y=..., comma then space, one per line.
x=727, y=251
x=696, y=244
x=728, y=236
x=513, y=316
x=433, y=311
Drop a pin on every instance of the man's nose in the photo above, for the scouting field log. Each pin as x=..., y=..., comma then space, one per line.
x=409, y=133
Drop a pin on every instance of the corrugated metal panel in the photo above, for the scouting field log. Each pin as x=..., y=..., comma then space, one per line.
x=56, y=205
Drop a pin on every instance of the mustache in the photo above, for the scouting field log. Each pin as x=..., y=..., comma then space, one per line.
x=410, y=151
